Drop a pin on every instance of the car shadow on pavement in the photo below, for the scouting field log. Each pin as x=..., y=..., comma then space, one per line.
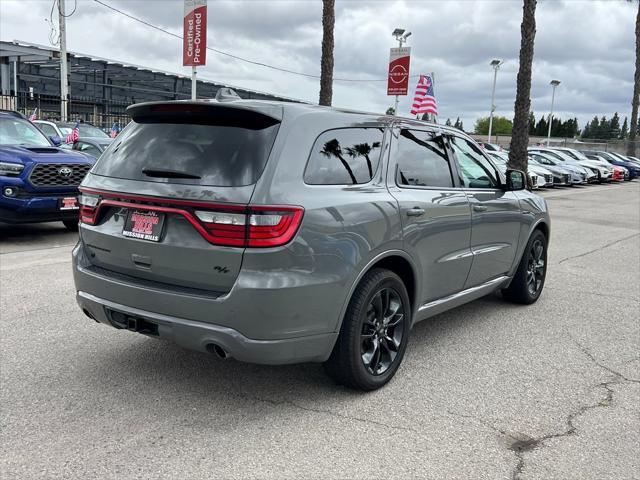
x=13, y=238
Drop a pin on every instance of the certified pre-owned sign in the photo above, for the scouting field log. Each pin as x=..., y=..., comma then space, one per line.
x=398, y=81
x=194, y=47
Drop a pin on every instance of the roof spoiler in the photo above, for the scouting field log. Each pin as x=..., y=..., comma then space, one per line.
x=203, y=110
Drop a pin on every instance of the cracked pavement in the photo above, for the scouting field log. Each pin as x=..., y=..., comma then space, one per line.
x=488, y=390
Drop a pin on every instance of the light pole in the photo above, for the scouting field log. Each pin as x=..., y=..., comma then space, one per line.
x=64, y=76
x=495, y=63
x=554, y=84
x=401, y=37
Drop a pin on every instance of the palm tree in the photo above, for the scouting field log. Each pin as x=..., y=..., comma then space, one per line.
x=520, y=131
x=332, y=149
x=363, y=150
x=631, y=147
x=326, y=62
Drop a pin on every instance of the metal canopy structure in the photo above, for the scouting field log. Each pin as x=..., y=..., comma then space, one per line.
x=100, y=88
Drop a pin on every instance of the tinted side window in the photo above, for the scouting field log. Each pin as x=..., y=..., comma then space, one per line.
x=422, y=161
x=474, y=169
x=345, y=156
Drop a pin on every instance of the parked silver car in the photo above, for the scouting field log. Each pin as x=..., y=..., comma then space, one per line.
x=590, y=173
x=280, y=233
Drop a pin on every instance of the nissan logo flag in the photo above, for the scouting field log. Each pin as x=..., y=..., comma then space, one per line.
x=398, y=81
x=194, y=47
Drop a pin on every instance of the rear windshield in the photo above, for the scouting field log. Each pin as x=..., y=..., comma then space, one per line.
x=172, y=151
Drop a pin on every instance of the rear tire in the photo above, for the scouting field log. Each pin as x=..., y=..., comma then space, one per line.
x=71, y=225
x=374, y=333
x=528, y=281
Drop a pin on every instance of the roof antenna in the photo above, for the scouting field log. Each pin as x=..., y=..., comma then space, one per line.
x=226, y=94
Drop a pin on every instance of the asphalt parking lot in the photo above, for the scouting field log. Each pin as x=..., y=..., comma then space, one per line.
x=488, y=390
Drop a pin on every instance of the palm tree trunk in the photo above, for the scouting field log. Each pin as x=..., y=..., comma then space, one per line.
x=345, y=164
x=326, y=62
x=520, y=132
x=632, y=147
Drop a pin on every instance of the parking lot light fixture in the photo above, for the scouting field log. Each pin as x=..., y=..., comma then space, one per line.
x=495, y=63
x=554, y=84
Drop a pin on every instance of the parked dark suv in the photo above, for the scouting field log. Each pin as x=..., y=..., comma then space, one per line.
x=280, y=233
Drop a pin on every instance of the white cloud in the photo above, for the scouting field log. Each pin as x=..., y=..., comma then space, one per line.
x=589, y=45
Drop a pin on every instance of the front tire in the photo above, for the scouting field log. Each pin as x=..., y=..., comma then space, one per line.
x=528, y=281
x=374, y=333
x=71, y=225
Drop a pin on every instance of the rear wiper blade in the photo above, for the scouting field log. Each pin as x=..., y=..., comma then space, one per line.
x=153, y=172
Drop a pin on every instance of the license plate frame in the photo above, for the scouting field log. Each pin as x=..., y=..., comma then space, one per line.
x=144, y=225
x=67, y=204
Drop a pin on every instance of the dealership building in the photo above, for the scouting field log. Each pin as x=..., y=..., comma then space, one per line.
x=100, y=89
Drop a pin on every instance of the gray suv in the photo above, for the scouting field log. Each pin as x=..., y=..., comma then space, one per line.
x=281, y=233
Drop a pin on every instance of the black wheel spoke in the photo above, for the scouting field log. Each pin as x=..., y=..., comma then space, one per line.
x=395, y=320
x=375, y=359
x=535, y=267
x=382, y=331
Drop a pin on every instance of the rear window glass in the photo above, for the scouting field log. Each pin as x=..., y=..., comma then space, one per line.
x=345, y=156
x=172, y=151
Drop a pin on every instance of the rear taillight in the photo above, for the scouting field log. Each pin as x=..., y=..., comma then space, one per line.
x=230, y=225
x=88, y=208
x=257, y=226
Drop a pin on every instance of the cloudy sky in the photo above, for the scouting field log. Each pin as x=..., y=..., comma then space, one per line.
x=588, y=45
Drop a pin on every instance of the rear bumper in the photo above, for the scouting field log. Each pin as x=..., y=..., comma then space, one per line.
x=203, y=337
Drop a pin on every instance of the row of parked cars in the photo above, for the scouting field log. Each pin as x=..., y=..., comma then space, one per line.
x=92, y=141
x=562, y=166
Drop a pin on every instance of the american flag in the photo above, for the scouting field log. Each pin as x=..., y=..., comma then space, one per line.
x=74, y=135
x=424, y=101
x=34, y=115
x=115, y=130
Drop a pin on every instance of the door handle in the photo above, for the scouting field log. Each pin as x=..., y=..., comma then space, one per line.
x=415, y=212
x=480, y=208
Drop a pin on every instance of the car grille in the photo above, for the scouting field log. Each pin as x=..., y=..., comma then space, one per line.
x=548, y=178
x=565, y=178
x=58, y=174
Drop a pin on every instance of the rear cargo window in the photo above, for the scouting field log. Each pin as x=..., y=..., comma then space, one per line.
x=345, y=156
x=172, y=150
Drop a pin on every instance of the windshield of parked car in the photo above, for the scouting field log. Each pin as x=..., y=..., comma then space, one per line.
x=86, y=130
x=561, y=157
x=17, y=131
x=543, y=160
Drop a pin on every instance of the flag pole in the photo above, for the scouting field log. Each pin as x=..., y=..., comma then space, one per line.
x=433, y=83
x=193, y=82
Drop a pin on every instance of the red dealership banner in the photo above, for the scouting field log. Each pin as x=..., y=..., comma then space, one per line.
x=194, y=46
x=398, y=80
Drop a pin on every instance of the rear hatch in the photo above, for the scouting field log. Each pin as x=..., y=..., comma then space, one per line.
x=167, y=204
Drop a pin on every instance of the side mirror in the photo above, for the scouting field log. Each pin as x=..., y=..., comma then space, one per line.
x=56, y=140
x=516, y=180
